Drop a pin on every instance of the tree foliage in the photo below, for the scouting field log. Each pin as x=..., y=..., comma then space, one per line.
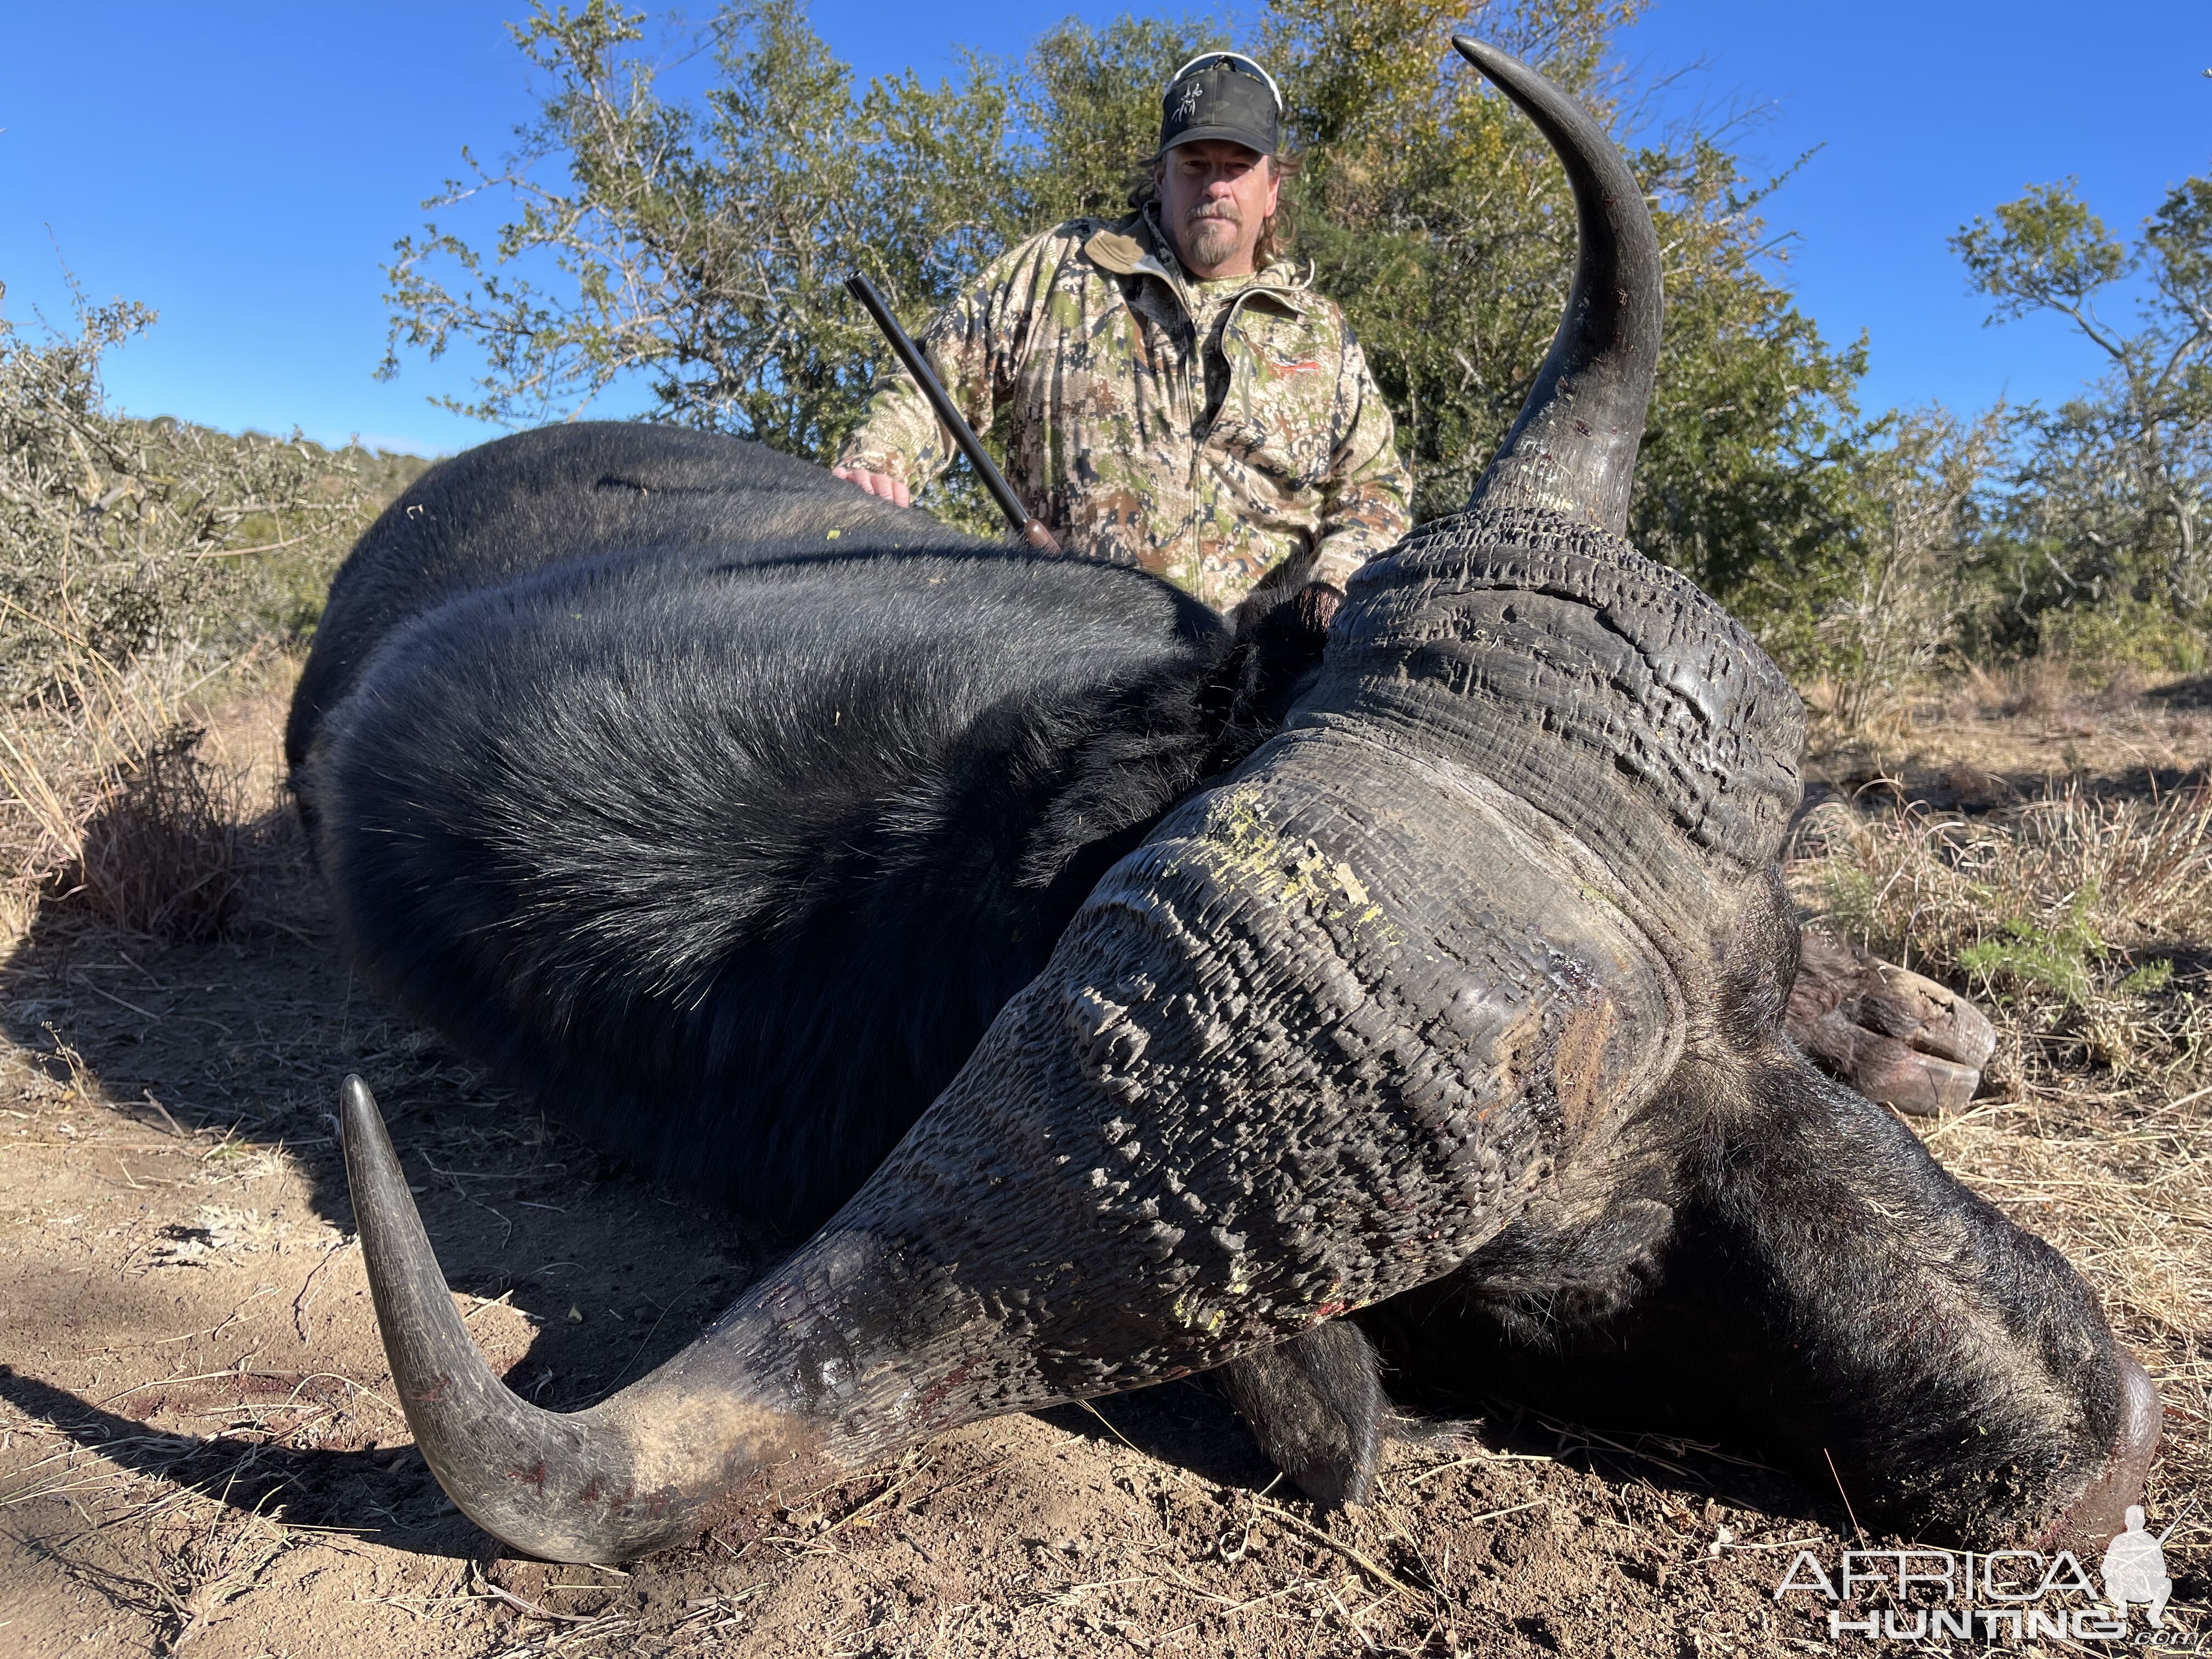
x=2103, y=503
x=699, y=243
x=1881, y=617
x=702, y=244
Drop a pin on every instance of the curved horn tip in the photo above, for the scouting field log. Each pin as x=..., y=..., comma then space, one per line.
x=359, y=1122
x=385, y=1215
x=1496, y=65
x=632, y=1474
x=1572, y=448
x=1475, y=52
x=467, y=1426
x=373, y=1177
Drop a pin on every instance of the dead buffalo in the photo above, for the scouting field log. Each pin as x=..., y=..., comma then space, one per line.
x=1437, y=982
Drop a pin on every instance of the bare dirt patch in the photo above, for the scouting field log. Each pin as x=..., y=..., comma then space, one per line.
x=199, y=1447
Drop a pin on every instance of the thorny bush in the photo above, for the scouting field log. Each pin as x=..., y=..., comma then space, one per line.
x=128, y=537
x=138, y=559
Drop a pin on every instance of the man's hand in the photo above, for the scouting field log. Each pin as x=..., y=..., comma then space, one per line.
x=893, y=490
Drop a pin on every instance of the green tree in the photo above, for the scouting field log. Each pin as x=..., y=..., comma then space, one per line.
x=700, y=245
x=2106, y=504
x=1881, y=616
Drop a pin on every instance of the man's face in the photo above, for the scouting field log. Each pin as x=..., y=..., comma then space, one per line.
x=1214, y=197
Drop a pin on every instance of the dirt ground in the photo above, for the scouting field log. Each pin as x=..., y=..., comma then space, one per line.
x=199, y=1446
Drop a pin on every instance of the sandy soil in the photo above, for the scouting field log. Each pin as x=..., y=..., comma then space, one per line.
x=200, y=1447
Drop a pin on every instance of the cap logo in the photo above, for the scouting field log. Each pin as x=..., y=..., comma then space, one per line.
x=1221, y=96
x=1249, y=66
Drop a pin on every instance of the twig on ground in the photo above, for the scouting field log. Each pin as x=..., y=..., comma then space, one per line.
x=1380, y=1575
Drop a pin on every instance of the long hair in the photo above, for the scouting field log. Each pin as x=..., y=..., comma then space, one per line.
x=1277, y=234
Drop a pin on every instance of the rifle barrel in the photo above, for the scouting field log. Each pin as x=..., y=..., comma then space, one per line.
x=909, y=354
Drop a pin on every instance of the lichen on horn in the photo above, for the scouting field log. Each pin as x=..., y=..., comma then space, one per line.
x=1573, y=448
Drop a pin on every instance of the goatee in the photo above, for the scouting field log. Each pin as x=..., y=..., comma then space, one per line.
x=1214, y=235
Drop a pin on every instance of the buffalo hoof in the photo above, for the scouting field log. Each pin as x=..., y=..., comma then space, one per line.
x=2100, y=1513
x=1896, y=1038
x=1316, y=1406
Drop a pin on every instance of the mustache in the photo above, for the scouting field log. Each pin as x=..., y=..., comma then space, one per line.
x=1225, y=211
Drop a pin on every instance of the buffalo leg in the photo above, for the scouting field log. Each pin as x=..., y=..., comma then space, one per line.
x=1890, y=1034
x=1314, y=1404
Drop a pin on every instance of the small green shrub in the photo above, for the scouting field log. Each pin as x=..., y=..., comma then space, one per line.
x=2059, y=955
x=2096, y=643
x=2148, y=979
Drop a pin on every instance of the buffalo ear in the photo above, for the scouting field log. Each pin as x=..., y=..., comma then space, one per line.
x=1294, y=629
x=1314, y=1404
x=1276, y=648
x=1314, y=607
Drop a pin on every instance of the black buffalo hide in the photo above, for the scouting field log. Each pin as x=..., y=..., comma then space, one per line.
x=724, y=842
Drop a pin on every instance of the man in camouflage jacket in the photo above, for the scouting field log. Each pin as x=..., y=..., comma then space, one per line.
x=1177, y=397
x=1180, y=400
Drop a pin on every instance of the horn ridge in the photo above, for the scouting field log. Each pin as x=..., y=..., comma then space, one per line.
x=1572, y=448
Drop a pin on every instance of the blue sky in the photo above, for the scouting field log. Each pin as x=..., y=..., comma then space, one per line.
x=245, y=168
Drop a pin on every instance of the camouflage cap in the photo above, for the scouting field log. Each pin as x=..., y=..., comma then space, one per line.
x=1222, y=95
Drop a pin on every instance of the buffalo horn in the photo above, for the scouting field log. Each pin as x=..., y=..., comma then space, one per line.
x=1306, y=1048
x=1573, y=448
x=633, y=1472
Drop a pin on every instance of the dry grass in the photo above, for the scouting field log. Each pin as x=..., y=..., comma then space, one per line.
x=110, y=799
x=2086, y=922
x=139, y=560
x=183, y=1576
x=2084, y=928
x=165, y=851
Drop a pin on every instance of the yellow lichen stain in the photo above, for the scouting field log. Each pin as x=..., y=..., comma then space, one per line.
x=1305, y=883
x=1247, y=844
x=1252, y=853
x=1192, y=1319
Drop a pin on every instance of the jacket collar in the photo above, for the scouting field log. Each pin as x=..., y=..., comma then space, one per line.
x=1137, y=246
